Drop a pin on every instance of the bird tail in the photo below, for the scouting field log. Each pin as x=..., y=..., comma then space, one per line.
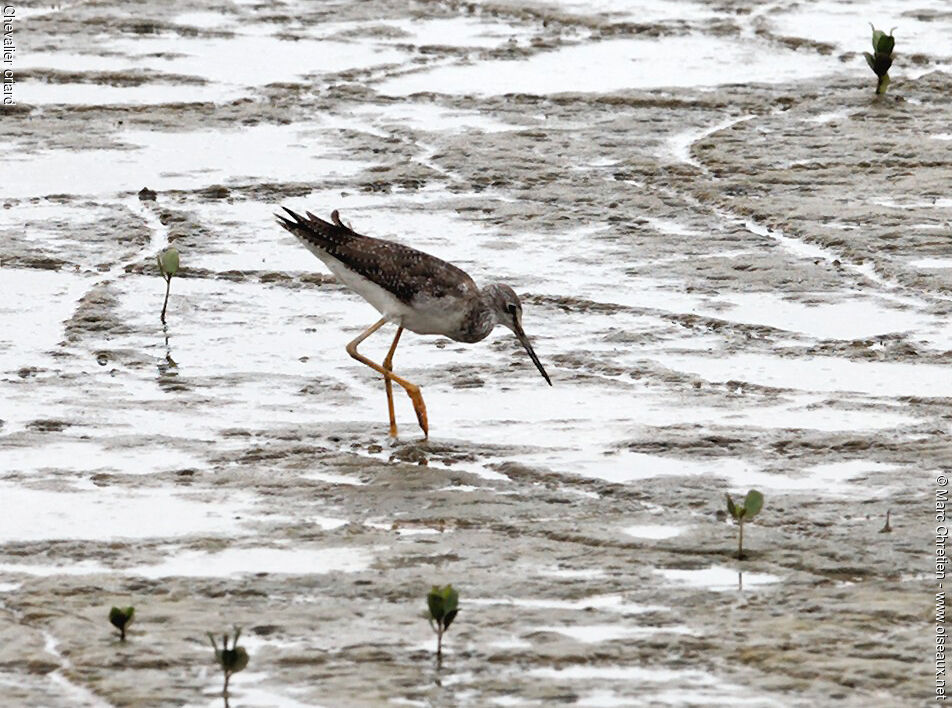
x=315, y=231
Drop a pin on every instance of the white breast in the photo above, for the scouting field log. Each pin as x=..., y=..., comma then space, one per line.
x=436, y=315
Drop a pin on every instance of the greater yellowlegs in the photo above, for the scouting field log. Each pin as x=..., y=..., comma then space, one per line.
x=412, y=289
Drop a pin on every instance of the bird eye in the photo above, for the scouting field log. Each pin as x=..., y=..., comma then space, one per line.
x=511, y=308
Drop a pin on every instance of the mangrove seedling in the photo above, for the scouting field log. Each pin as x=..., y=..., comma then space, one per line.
x=442, y=604
x=881, y=58
x=230, y=660
x=168, y=265
x=121, y=618
x=753, y=503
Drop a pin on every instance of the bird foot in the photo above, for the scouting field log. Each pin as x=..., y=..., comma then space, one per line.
x=420, y=408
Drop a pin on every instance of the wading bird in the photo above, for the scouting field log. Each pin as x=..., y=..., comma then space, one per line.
x=412, y=289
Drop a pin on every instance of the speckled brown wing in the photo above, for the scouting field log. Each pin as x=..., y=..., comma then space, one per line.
x=404, y=271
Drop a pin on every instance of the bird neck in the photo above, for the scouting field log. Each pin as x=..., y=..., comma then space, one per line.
x=481, y=318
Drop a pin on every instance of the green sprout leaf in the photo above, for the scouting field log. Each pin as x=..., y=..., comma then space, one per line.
x=434, y=602
x=884, y=43
x=881, y=59
x=443, y=606
x=881, y=64
x=234, y=660
x=442, y=603
x=121, y=618
x=731, y=507
x=231, y=660
x=169, y=262
x=753, y=503
x=448, y=620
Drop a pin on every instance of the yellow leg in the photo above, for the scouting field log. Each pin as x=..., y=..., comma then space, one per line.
x=388, y=365
x=413, y=391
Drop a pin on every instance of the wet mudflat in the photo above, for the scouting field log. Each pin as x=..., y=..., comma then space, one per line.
x=735, y=265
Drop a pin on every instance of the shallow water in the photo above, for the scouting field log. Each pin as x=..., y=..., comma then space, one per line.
x=734, y=274
x=237, y=561
x=719, y=578
x=615, y=65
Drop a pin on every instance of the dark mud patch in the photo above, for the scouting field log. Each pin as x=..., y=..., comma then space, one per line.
x=97, y=316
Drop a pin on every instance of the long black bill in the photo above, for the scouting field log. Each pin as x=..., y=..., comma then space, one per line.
x=532, y=355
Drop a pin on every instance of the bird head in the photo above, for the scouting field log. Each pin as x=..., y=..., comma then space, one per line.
x=507, y=309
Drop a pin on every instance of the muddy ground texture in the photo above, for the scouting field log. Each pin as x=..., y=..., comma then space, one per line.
x=813, y=197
